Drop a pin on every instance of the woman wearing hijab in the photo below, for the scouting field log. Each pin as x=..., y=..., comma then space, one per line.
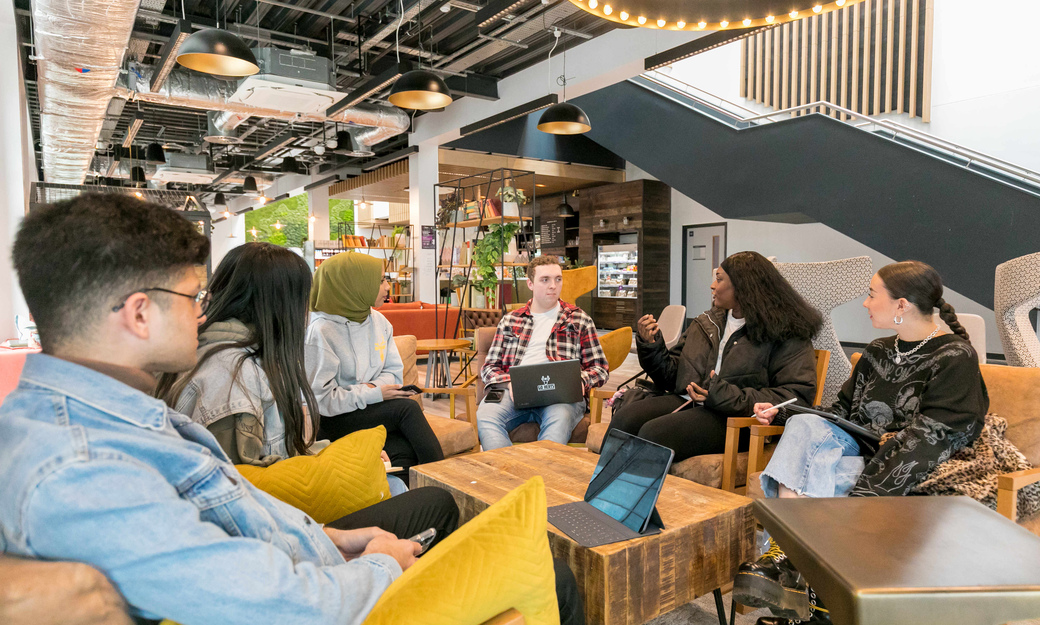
x=353, y=365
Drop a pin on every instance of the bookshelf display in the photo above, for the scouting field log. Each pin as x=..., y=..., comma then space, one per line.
x=485, y=235
x=391, y=244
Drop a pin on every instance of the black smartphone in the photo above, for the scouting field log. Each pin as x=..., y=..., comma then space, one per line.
x=425, y=539
x=494, y=396
x=411, y=388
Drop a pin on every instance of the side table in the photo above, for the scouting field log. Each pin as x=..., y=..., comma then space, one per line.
x=920, y=560
x=438, y=360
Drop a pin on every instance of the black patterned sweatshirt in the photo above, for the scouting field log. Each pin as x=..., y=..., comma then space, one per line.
x=935, y=402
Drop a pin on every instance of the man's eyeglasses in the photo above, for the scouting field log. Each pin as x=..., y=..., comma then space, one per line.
x=201, y=298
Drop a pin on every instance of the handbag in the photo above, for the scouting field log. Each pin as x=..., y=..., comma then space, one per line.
x=640, y=389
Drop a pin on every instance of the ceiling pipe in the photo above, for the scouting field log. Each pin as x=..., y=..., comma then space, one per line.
x=79, y=50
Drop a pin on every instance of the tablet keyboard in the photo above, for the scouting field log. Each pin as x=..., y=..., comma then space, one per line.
x=588, y=526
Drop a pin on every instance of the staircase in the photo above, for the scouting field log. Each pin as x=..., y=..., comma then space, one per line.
x=907, y=194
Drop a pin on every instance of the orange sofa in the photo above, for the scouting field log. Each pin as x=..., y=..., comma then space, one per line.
x=421, y=320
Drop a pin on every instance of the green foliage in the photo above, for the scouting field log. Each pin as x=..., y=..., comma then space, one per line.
x=341, y=211
x=292, y=213
x=487, y=253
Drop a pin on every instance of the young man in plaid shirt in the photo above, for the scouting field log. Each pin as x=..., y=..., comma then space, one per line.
x=544, y=329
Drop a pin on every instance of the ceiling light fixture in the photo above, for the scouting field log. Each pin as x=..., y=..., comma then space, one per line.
x=219, y=53
x=563, y=118
x=154, y=154
x=565, y=209
x=249, y=185
x=712, y=14
x=418, y=89
x=219, y=200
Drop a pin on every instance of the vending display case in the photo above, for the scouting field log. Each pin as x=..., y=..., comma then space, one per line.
x=618, y=271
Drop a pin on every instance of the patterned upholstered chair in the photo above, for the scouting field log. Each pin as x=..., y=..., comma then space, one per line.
x=826, y=286
x=1016, y=293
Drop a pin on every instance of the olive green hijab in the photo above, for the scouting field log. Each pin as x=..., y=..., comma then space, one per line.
x=347, y=285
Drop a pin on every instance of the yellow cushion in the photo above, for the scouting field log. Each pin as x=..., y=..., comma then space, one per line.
x=497, y=561
x=345, y=477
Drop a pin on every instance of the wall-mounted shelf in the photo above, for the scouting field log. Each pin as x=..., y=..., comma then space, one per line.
x=487, y=221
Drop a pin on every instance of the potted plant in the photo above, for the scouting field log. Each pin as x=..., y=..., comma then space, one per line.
x=487, y=254
x=511, y=198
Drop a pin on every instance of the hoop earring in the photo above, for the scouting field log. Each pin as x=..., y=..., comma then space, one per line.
x=898, y=320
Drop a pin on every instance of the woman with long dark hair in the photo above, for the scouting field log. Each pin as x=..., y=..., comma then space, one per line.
x=353, y=365
x=753, y=346
x=250, y=381
x=921, y=391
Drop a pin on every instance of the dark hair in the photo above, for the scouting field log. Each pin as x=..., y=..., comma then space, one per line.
x=542, y=261
x=76, y=258
x=773, y=309
x=266, y=287
x=919, y=283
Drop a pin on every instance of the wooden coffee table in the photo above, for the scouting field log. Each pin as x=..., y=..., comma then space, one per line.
x=708, y=532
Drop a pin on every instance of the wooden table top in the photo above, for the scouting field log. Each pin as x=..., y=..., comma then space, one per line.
x=921, y=560
x=490, y=475
x=441, y=344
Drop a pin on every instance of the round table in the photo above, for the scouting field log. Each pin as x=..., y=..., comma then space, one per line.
x=438, y=359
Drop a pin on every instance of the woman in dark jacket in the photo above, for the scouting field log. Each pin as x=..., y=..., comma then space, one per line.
x=764, y=329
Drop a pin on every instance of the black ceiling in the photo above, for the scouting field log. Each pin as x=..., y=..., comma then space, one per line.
x=450, y=40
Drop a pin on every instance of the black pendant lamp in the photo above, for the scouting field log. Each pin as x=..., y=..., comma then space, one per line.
x=137, y=176
x=218, y=52
x=249, y=185
x=563, y=118
x=219, y=200
x=420, y=89
x=289, y=165
x=565, y=209
x=154, y=154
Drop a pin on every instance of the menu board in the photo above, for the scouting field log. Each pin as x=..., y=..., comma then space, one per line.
x=551, y=231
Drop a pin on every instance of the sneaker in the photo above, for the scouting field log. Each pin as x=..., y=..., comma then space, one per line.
x=772, y=582
x=818, y=615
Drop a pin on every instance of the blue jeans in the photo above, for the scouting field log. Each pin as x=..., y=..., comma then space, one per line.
x=814, y=458
x=496, y=421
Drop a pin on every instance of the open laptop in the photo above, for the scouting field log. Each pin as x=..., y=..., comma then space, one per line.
x=620, y=501
x=546, y=383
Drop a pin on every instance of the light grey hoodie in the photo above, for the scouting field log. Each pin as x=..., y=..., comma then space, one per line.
x=343, y=356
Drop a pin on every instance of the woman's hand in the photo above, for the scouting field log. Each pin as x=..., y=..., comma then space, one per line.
x=765, y=413
x=647, y=327
x=353, y=543
x=696, y=392
x=393, y=391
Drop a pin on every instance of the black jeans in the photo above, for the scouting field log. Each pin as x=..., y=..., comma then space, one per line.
x=691, y=432
x=407, y=514
x=409, y=439
x=417, y=510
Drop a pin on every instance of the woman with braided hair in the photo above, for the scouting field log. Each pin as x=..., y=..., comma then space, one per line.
x=921, y=391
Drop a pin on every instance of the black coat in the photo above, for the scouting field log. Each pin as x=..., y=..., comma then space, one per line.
x=751, y=372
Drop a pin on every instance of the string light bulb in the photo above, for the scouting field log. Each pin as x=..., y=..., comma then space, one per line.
x=227, y=214
x=702, y=24
x=723, y=23
x=661, y=23
x=713, y=12
x=641, y=19
x=769, y=19
x=680, y=24
x=747, y=21
x=254, y=232
x=623, y=15
x=277, y=225
x=793, y=14
x=818, y=8
x=607, y=10
x=840, y=3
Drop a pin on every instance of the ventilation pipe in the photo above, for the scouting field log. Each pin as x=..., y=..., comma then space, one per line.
x=79, y=49
x=197, y=91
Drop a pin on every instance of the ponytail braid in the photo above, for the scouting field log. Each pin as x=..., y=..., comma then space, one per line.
x=949, y=316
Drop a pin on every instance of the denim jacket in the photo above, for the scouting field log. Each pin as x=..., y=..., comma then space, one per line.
x=98, y=472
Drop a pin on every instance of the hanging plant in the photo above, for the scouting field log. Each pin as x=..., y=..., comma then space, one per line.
x=512, y=194
x=487, y=254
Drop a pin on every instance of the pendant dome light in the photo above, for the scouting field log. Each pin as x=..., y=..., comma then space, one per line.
x=565, y=209
x=137, y=176
x=698, y=15
x=563, y=118
x=249, y=185
x=218, y=52
x=418, y=89
x=154, y=154
x=219, y=200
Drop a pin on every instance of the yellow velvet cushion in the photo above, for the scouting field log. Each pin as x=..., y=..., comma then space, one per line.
x=345, y=477
x=497, y=561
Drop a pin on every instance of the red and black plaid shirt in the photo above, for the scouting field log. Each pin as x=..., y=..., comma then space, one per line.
x=572, y=338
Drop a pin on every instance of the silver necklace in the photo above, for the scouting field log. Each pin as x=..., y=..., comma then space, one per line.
x=900, y=355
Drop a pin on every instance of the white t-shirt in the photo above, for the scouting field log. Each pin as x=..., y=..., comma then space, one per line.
x=543, y=325
x=732, y=325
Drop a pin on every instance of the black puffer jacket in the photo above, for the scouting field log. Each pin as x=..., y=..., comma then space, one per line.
x=751, y=372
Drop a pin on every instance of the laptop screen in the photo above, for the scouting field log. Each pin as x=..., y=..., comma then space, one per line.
x=628, y=478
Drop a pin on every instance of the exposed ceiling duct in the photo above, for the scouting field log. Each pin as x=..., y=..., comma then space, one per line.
x=197, y=91
x=79, y=50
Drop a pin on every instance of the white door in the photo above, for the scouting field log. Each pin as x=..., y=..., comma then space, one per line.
x=704, y=248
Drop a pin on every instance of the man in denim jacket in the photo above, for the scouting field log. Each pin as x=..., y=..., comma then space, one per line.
x=97, y=471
